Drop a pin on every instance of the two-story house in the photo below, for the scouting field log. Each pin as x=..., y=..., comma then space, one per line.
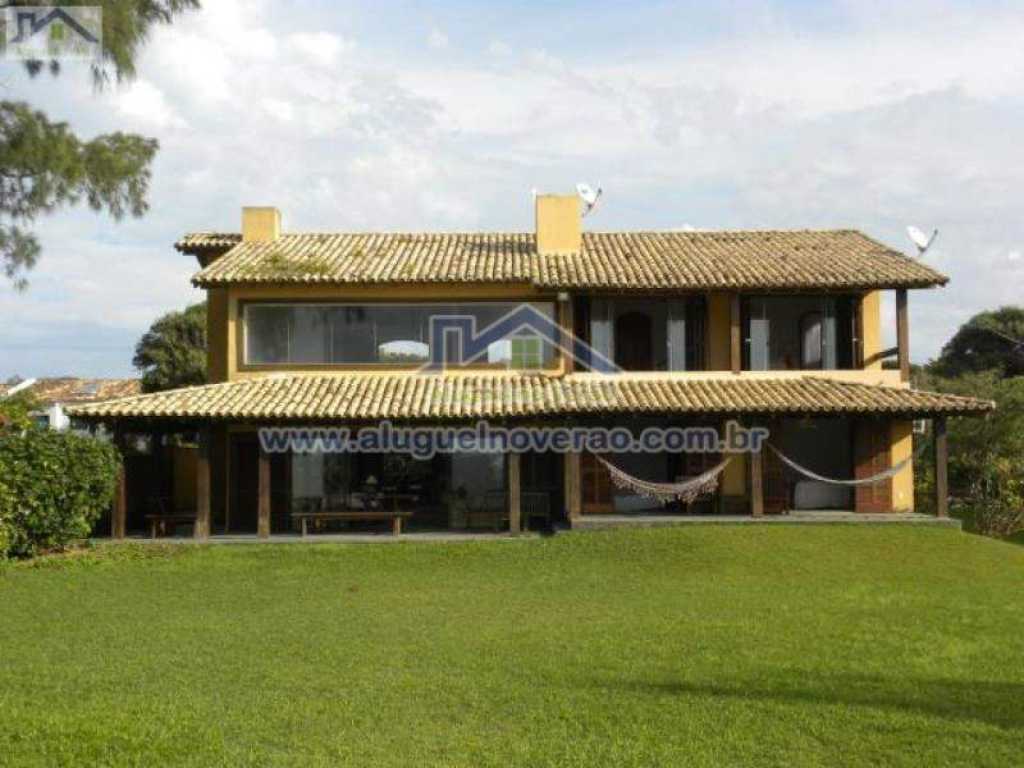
x=780, y=329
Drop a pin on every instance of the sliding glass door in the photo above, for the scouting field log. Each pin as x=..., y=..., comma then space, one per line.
x=784, y=333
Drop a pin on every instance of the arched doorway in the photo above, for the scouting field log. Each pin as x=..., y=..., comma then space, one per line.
x=633, y=349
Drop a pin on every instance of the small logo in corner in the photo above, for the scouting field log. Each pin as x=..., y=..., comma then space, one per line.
x=47, y=33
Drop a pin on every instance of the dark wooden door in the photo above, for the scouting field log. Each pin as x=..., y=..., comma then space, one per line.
x=245, y=484
x=633, y=345
x=597, y=486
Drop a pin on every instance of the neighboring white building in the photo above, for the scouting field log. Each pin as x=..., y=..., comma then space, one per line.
x=54, y=394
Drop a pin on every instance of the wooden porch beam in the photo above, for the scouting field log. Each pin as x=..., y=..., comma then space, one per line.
x=941, y=467
x=202, y=526
x=515, y=522
x=735, y=334
x=119, y=513
x=903, y=334
x=572, y=487
x=756, y=483
x=263, y=508
x=119, y=510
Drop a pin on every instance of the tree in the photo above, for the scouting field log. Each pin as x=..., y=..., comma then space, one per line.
x=172, y=353
x=989, y=341
x=44, y=165
x=985, y=455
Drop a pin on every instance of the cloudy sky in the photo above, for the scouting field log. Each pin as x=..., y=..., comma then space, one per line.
x=393, y=115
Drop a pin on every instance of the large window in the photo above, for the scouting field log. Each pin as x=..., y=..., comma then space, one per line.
x=784, y=333
x=326, y=334
x=648, y=334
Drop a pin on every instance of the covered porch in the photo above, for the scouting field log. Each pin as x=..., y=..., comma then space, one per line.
x=811, y=465
x=196, y=480
x=230, y=486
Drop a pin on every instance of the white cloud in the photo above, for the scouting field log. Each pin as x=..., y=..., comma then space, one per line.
x=499, y=48
x=279, y=108
x=144, y=102
x=319, y=48
x=437, y=39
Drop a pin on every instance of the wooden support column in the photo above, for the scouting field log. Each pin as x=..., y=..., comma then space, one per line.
x=119, y=509
x=903, y=334
x=119, y=513
x=572, y=487
x=202, y=526
x=566, y=323
x=735, y=334
x=515, y=522
x=756, y=483
x=941, y=467
x=263, y=507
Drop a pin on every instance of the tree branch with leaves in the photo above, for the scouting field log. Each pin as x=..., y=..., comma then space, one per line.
x=44, y=166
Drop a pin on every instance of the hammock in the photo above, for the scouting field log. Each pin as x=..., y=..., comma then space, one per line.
x=685, y=492
x=891, y=472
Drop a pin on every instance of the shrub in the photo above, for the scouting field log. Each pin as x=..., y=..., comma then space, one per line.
x=5, y=538
x=54, y=486
x=986, y=456
x=997, y=519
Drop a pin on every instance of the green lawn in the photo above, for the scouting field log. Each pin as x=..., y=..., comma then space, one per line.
x=712, y=645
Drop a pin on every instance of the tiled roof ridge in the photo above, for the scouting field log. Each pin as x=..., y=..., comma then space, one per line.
x=833, y=259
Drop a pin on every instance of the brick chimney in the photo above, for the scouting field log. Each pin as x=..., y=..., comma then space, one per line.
x=260, y=224
x=559, y=227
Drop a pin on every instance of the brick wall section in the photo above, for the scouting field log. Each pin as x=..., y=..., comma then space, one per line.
x=871, y=445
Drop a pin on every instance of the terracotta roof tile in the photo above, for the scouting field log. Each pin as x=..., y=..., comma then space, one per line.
x=648, y=261
x=343, y=397
x=195, y=243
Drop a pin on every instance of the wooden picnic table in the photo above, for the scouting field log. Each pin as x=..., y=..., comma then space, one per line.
x=161, y=519
x=394, y=515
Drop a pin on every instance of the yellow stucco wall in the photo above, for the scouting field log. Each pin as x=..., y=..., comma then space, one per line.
x=902, y=448
x=719, y=325
x=734, y=478
x=871, y=329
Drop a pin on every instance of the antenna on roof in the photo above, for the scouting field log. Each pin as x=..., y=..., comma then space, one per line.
x=922, y=241
x=588, y=196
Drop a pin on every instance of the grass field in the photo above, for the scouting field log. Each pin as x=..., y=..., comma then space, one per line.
x=762, y=646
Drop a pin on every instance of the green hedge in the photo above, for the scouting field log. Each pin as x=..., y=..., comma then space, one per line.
x=54, y=486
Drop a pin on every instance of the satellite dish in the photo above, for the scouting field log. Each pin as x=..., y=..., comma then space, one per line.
x=922, y=241
x=589, y=196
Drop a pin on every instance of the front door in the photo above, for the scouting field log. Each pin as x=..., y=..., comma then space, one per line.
x=245, y=485
x=597, y=486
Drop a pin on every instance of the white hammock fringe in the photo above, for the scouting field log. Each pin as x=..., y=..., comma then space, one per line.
x=685, y=492
x=891, y=472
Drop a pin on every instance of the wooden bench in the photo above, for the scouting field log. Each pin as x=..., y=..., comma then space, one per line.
x=163, y=518
x=395, y=516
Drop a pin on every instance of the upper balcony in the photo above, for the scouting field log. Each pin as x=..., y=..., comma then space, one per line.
x=765, y=335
